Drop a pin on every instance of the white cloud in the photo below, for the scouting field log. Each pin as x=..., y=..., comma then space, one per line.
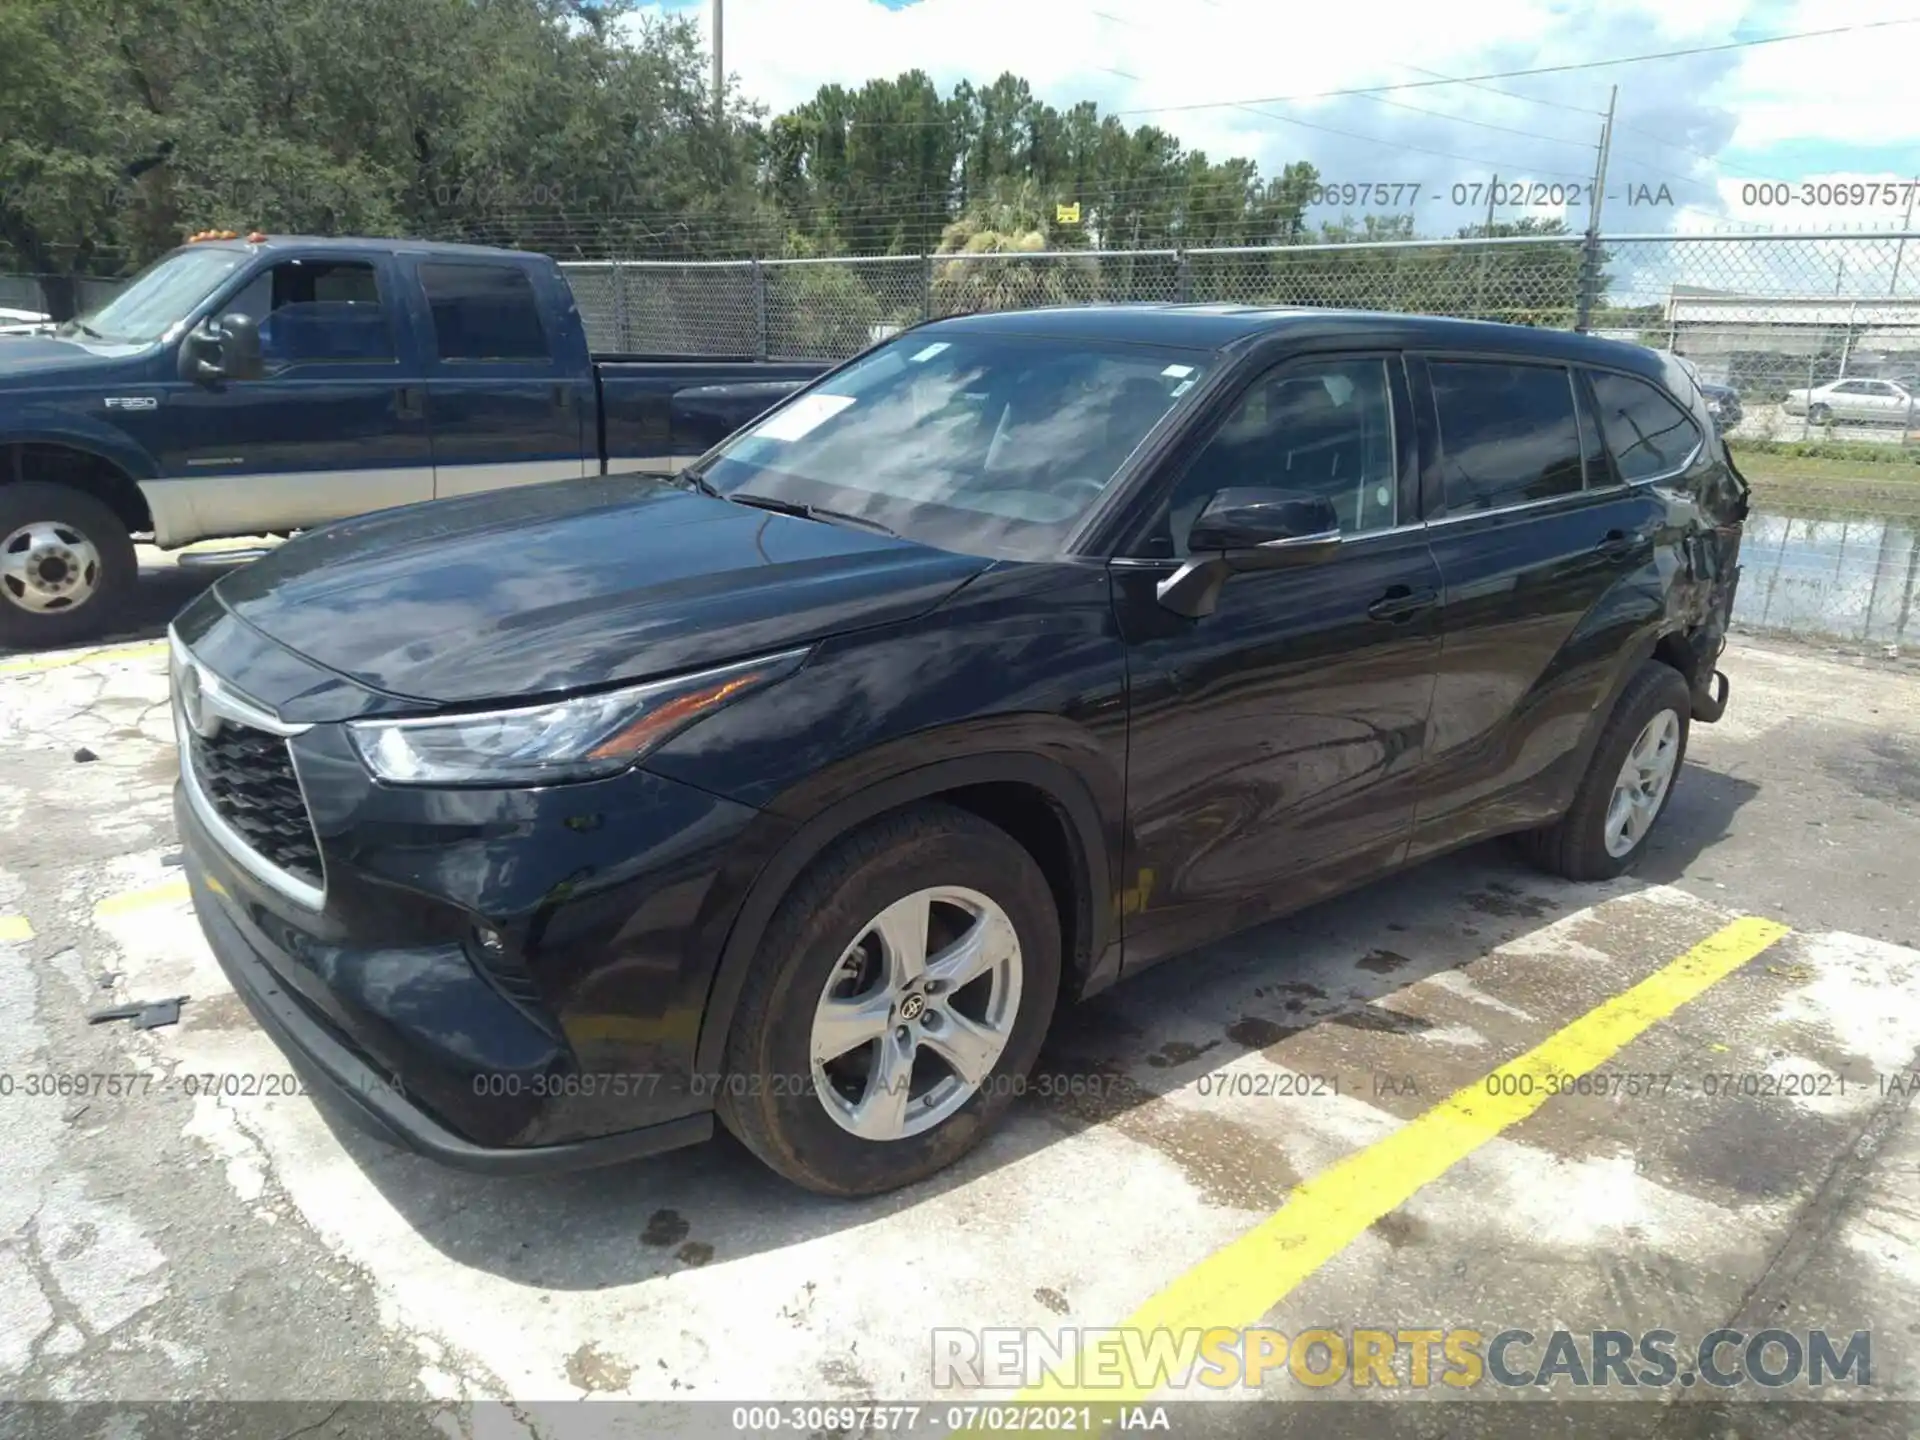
x=1848, y=92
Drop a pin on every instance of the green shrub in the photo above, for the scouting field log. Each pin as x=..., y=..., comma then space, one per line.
x=1854, y=451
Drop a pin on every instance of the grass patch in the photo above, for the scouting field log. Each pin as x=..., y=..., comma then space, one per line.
x=1852, y=454
x=1765, y=467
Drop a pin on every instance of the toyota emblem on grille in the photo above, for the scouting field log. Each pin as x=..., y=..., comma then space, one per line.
x=194, y=709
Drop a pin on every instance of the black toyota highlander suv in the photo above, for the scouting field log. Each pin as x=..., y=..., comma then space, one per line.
x=1014, y=656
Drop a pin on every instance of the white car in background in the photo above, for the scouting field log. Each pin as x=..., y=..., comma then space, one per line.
x=23, y=322
x=1862, y=401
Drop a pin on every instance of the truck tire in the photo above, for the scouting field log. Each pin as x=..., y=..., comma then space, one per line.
x=927, y=938
x=67, y=568
x=1628, y=783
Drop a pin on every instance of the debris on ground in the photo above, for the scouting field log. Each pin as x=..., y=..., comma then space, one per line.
x=84, y=756
x=145, y=1014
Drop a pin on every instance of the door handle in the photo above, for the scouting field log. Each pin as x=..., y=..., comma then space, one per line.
x=562, y=396
x=1617, y=544
x=1401, y=603
x=406, y=403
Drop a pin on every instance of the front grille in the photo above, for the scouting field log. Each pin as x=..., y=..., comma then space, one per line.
x=248, y=776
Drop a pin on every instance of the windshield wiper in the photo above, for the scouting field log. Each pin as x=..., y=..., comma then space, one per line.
x=82, y=325
x=809, y=512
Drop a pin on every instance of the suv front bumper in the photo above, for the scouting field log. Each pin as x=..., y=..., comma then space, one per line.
x=344, y=1083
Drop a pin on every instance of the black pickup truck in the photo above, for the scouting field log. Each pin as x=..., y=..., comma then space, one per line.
x=262, y=385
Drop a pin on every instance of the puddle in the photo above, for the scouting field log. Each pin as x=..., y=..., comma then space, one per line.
x=1852, y=577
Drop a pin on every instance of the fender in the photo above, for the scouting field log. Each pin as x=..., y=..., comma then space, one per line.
x=1067, y=790
x=40, y=424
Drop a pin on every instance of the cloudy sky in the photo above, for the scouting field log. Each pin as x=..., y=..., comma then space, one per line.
x=1706, y=127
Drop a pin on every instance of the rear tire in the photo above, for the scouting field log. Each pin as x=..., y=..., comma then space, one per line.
x=1628, y=783
x=67, y=567
x=802, y=1076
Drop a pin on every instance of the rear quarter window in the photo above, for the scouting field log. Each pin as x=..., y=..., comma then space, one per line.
x=1648, y=434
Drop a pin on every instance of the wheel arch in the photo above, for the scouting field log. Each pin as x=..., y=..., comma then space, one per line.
x=1046, y=808
x=78, y=465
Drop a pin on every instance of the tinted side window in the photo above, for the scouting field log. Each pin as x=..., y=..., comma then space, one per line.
x=483, y=312
x=319, y=312
x=1316, y=429
x=1507, y=433
x=1647, y=433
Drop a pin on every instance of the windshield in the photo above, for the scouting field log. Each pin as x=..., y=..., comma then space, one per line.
x=988, y=445
x=163, y=295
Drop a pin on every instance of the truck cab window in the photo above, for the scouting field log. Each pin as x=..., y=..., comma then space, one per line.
x=484, y=312
x=318, y=312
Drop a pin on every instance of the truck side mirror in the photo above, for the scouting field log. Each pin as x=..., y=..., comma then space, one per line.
x=223, y=349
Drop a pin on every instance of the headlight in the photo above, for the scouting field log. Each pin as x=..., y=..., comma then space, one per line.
x=577, y=739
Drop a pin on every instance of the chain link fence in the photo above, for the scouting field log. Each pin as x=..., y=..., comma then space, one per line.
x=1815, y=337
x=29, y=292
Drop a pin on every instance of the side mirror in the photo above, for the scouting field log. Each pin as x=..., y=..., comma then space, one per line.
x=223, y=349
x=1248, y=529
x=1254, y=519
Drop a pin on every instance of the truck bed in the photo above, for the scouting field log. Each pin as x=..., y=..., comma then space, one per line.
x=657, y=412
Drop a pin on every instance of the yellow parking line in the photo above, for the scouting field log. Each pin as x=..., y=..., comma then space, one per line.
x=32, y=664
x=170, y=892
x=1241, y=1282
x=15, y=927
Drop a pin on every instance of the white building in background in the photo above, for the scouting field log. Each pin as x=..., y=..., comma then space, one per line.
x=1877, y=338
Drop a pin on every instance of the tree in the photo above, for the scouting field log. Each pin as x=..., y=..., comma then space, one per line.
x=986, y=268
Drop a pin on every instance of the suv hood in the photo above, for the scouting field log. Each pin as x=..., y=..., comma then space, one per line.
x=530, y=592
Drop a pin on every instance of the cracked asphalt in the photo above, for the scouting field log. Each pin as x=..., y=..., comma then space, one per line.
x=222, y=1239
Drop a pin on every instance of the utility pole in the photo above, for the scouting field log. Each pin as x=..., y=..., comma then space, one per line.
x=719, y=63
x=1480, y=284
x=1590, y=281
x=1900, y=250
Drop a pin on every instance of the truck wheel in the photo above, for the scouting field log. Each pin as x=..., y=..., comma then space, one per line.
x=903, y=989
x=1628, y=782
x=67, y=568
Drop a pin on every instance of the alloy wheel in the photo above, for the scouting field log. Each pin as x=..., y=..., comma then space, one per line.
x=916, y=1013
x=1642, y=784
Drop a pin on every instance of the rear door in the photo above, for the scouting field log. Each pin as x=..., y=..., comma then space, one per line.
x=1273, y=744
x=333, y=427
x=1887, y=403
x=1534, y=527
x=509, y=398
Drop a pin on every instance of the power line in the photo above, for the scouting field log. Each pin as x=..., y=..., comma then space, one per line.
x=1481, y=124
x=1469, y=80
x=1566, y=69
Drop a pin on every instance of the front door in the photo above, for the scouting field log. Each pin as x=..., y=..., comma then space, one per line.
x=334, y=426
x=505, y=409
x=1273, y=744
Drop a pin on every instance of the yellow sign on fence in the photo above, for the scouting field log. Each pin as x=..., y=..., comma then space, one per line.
x=1067, y=214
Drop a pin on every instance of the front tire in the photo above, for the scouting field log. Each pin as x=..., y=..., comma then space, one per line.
x=904, y=988
x=1628, y=782
x=1820, y=415
x=67, y=567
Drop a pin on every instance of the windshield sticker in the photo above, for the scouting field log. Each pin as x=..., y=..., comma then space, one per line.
x=802, y=417
x=1177, y=372
x=928, y=352
x=1182, y=388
